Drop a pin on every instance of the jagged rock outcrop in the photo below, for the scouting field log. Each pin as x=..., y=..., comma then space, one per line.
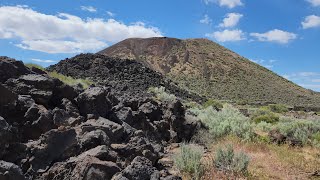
x=49, y=130
x=135, y=78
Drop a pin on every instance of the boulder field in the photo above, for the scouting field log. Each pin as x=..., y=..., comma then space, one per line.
x=50, y=130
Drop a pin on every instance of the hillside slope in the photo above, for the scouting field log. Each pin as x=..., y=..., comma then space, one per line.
x=212, y=70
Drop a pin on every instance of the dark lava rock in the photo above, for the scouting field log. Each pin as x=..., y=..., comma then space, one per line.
x=140, y=169
x=37, y=70
x=10, y=68
x=127, y=76
x=52, y=146
x=94, y=101
x=10, y=171
x=49, y=130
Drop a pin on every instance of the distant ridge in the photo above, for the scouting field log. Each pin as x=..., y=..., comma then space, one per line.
x=209, y=69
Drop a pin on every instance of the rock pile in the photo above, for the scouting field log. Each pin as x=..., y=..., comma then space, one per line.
x=122, y=75
x=49, y=130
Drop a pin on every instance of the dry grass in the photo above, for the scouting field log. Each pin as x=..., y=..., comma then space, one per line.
x=269, y=161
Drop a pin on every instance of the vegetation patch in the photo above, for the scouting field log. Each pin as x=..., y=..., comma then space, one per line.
x=268, y=118
x=30, y=65
x=278, y=108
x=228, y=121
x=214, y=103
x=85, y=83
x=161, y=94
x=301, y=131
x=228, y=160
x=189, y=161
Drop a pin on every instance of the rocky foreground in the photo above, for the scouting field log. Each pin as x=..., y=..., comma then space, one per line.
x=50, y=130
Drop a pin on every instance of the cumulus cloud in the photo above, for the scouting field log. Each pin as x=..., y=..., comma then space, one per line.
x=88, y=8
x=275, y=35
x=62, y=46
x=231, y=20
x=302, y=76
x=111, y=14
x=310, y=22
x=43, y=60
x=65, y=33
x=206, y=20
x=227, y=35
x=228, y=3
x=266, y=63
x=314, y=2
x=305, y=79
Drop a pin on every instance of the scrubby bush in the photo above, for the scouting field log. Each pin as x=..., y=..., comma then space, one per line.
x=228, y=121
x=30, y=65
x=161, y=94
x=278, y=108
x=268, y=118
x=264, y=114
x=264, y=126
x=299, y=130
x=213, y=103
x=316, y=139
x=85, y=83
x=227, y=160
x=189, y=161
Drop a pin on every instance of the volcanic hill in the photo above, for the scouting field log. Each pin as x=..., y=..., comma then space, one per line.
x=211, y=70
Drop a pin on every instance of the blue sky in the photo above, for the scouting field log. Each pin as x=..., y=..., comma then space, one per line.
x=282, y=35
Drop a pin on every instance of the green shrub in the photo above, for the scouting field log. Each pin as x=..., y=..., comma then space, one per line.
x=213, y=103
x=299, y=130
x=268, y=118
x=264, y=126
x=228, y=121
x=227, y=160
x=316, y=139
x=85, y=83
x=189, y=161
x=30, y=65
x=161, y=94
x=191, y=104
x=278, y=108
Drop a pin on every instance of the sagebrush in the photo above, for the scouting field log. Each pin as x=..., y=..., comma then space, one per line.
x=189, y=161
x=228, y=121
x=161, y=94
x=228, y=160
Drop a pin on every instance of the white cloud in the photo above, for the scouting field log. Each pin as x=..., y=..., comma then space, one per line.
x=62, y=46
x=266, y=63
x=208, y=1
x=228, y=3
x=43, y=60
x=275, y=35
x=231, y=20
x=311, y=86
x=227, y=35
x=305, y=79
x=302, y=76
x=111, y=14
x=307, y=74
x=65, y=33
x=314, y=2
x=311, y=21
x=206, y=20
x=88, y=8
